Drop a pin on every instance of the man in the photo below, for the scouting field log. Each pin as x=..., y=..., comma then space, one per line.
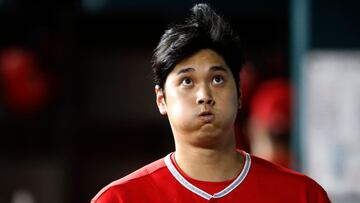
x=270, y=121
x=196, y=66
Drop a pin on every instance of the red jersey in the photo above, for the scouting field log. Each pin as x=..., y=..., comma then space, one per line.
x=259, y=181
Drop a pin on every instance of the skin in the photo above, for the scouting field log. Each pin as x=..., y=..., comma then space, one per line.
x=201, y=105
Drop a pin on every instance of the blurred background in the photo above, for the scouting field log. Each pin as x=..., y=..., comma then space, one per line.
x=77, y=105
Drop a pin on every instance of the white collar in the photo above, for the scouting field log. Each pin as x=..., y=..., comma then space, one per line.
x=201, y=192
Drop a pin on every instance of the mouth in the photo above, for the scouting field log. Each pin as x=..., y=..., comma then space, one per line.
x=206, y=116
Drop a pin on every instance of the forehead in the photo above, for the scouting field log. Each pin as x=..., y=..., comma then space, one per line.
x=203, y=58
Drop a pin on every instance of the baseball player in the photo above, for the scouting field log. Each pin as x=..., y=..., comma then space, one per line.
x=196, y=72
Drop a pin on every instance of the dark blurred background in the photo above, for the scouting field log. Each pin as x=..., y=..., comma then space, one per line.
x=77, y=105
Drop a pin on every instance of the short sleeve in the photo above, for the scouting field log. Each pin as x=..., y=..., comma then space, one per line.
x=316, y=193
x=110, y=195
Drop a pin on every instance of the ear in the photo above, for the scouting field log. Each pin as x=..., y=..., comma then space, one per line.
x=160, y=100
x=240, y=100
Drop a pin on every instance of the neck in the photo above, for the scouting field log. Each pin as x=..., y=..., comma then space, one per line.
x=206, y=164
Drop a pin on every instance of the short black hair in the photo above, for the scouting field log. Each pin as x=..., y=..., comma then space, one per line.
x=203, y=29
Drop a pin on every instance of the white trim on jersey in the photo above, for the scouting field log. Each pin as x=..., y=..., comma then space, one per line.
x=201, y=192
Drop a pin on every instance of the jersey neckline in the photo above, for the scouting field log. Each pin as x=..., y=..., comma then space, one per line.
x=183, y=181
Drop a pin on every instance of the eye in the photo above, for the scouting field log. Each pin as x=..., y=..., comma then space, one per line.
x=218, y=80
x=186, y=82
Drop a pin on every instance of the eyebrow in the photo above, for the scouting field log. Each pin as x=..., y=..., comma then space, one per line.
x=185, y=70
x=218, y=68
x=212, y=69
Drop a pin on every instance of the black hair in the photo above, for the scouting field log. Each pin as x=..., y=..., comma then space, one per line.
x=203, y=29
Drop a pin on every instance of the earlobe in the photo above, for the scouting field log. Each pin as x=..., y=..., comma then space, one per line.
x=160, y=100
x=240, y=100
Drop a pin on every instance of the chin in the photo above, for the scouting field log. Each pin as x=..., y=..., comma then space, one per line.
x=207, y=138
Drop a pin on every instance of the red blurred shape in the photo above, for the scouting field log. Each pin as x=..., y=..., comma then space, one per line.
x=271, y=105
x=26, y=87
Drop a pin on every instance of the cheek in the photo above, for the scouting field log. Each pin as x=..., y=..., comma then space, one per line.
x=178, y=104
x=234, y=100
x=232, y=105
x=229, y=103
x=177, y=109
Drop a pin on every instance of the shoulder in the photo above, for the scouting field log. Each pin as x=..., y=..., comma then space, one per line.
x=276, y=176
x=113, y=191
x=265, y=169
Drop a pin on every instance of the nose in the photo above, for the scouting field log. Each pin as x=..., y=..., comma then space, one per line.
x=208, y=101
x=205, y=96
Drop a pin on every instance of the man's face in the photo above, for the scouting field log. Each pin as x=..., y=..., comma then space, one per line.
x=201, y=99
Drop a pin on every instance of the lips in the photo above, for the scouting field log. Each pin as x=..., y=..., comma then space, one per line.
x=206, y=116
x=205, y=113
